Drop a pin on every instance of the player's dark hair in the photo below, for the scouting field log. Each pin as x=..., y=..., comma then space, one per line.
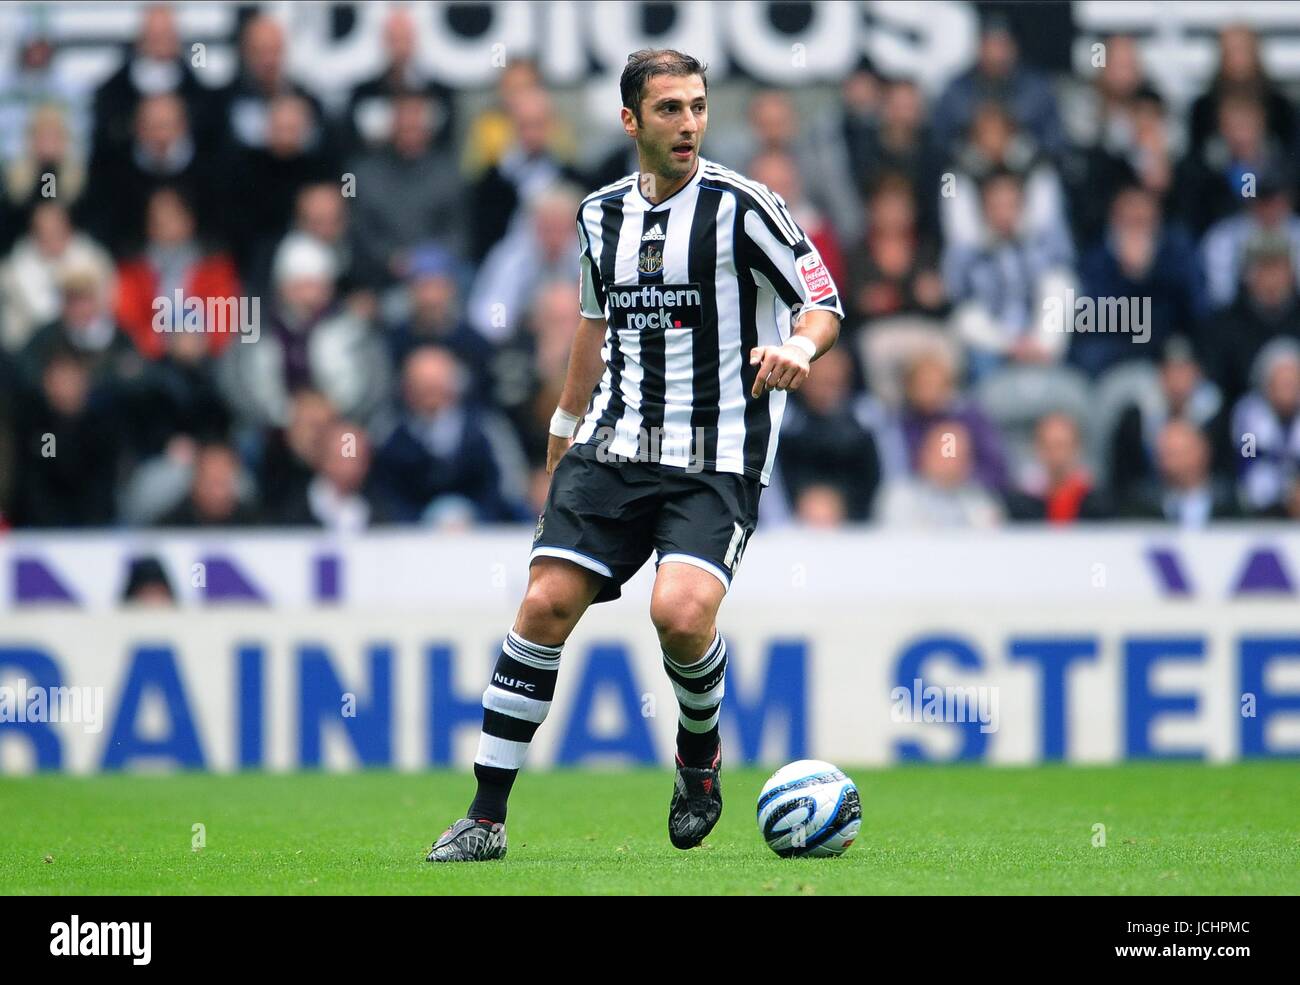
x=645, y=64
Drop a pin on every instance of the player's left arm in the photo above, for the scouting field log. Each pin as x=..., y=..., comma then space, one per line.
x=786, y=366
x=780, y=253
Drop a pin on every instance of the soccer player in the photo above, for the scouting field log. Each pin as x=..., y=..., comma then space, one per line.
x=702, y=304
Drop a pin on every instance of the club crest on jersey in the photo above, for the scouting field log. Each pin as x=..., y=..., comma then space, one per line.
x=651, y=259
x=815, y=278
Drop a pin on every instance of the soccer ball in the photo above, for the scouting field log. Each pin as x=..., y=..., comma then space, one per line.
x=809, y=809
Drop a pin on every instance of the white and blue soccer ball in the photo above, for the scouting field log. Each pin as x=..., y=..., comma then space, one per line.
x=809, y=809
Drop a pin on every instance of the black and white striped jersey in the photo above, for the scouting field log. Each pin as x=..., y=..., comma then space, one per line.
x=687, y=288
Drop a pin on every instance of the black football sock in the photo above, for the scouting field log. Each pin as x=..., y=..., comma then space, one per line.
x=699, y=688
x=697, y=748
x=514, y=705
x=493, y=791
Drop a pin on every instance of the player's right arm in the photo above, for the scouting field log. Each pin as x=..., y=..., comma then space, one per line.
x=585, y=363
x=586, y=366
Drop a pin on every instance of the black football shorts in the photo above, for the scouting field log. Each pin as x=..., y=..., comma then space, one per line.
x=607, y=516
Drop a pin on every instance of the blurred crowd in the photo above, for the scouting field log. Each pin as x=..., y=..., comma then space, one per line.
x=414, y=273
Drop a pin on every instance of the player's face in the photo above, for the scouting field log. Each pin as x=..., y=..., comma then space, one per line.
x=674, y=114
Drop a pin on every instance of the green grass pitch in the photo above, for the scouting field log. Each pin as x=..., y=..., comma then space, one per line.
x=1169, y=829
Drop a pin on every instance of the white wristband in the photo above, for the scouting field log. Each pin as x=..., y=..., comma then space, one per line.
x=563, y=424
x=804, y=343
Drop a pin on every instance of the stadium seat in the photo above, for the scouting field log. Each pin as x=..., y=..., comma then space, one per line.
x=887, y=346
x=1016, y=397
x=1118, y=388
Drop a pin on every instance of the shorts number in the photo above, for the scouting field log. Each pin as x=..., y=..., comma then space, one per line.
x=736, y=549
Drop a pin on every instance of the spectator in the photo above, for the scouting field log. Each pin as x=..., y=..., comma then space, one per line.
x=308, y=339
x=821, y=507
x=1000, y=288
x=1241, y=72
x=47, y=169
x=995, y=146
x=998, y=76
x=1266, y=309
x=244, y=108
x=175, y=396
x=861, y=95
x=1059, y=489
x=434, y=315
x=1224, y=248
x=290, y=158
x=29, y=277
x=901, y=144
x=36, y=82
x=526, y=170
x=340, y=497
x=1140, y=258
x=942, y=493
x=1151, y=158
x=1266, y=429
x=895, y=270
x=67, y=454
x=290, y=456
x=1185, y=493
x=843, y=146
x=1143, y=158
x=163, y=153
x=493, y=132
x=828, y=441
x=321, y=212
x=1227, y=173
x=1183, y=394
x=370, y=112
x=930, y=397
x=1099, y=114
x=175, y=265
x=214, y=499
x=408, y=192
x=155, y=66
x=534, y=253
x=86, y=324
x=440, y=458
